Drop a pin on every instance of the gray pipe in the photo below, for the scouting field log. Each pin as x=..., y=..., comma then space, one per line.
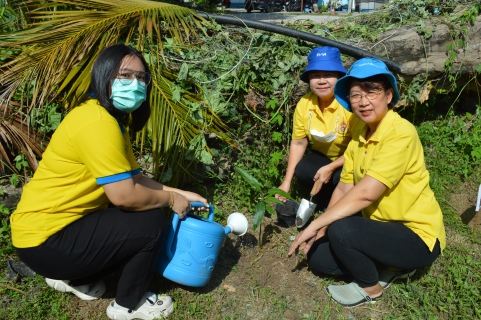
x=302, y=35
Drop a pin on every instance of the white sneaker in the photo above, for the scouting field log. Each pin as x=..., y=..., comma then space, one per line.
x=151, y=306
x=85, y=292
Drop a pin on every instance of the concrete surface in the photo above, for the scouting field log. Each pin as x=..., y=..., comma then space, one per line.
x=279, y=17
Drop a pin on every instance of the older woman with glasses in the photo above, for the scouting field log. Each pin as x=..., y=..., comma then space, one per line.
x=385, y=177
x=88, y=210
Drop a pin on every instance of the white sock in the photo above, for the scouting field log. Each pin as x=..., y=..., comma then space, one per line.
x=118, y=306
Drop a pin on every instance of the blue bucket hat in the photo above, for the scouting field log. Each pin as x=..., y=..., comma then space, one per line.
x=323, y=59
x=361, y=69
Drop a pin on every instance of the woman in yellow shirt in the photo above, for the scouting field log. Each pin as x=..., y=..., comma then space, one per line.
x=319, y=118
x=385, y=177
x=88, y=210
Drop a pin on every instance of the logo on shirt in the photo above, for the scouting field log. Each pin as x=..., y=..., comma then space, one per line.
x=343, y=129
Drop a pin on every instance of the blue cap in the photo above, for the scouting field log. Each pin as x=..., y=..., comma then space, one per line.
x=323, y=59
x=361, y=69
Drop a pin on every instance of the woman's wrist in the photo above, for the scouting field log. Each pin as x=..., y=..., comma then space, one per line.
x=172, y=199
x=331, y=166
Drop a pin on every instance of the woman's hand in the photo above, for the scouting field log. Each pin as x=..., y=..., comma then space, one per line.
x=324, y=174
x=285, y=186
x=180, y=204
x=304, y=241
x=194, y=197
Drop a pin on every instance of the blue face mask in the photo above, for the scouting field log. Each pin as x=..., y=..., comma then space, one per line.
x=128, y=97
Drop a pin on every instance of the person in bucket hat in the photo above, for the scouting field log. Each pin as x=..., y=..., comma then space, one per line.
x=384, y=177
x=320, y=119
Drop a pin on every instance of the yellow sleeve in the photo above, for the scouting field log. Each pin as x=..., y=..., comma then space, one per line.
x=347, y=173
x=298, y=129
x=103, y=149
x=301, y=117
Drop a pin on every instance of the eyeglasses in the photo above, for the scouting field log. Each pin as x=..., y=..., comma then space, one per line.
x=356, y=97
x=126, y=77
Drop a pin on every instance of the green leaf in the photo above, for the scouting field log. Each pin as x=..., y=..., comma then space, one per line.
x=253, y=182
x=278, y=118
x=276, y=158
x=277, y=136
x=280, y=192
x=206, y=157
x=271, y=210
x=14, y=180
x=167, y=175
x=476, y=153
x=197, y=150
x=176, y=91
x=183, y=72
x=272, y=199
x=272, y=103
x=259, y=213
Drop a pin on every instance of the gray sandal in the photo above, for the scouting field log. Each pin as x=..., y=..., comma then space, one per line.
x=350, y=295
x=387, y=277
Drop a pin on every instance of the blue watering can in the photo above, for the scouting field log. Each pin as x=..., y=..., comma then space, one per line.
x=193, y=243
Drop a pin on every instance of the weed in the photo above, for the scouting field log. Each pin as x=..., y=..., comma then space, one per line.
x=263, y=202
x=6, y=246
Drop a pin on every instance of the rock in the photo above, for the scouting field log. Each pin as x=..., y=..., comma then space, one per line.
x=11, y=196
x=418, y=55
x=291, y=315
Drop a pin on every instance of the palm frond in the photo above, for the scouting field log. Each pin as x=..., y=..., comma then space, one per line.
x=62, y=44
x=64, y=38
x=16, y=137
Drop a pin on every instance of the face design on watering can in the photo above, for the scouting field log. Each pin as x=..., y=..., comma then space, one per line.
x=371, y=111
x=322, y=83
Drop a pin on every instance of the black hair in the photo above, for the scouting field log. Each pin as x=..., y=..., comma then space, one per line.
x=105, y=68
x=379, y=81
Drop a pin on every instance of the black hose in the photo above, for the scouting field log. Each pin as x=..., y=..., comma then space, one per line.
x=302, y=35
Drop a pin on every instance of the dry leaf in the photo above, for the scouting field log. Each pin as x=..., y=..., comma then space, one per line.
x=401, y=103
x=424, y=95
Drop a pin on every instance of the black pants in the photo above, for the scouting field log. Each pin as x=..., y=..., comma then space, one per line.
x=98, y=244
x=306, y=170
x=355, y=245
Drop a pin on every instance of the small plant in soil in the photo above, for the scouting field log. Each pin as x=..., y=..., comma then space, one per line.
x=265, y=202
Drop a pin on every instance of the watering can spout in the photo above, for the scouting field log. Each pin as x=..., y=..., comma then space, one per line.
x=237, y=224
x=228, y=230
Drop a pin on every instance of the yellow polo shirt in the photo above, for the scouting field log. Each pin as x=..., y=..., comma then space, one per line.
x=89, y=148
x=394, y=156
x=308, y=116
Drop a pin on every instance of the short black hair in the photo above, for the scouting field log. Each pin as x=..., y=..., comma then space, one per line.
x=104, y=69
x=378, y=81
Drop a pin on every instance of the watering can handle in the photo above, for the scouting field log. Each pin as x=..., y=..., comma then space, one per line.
x=200, y=205
x=176, y=222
